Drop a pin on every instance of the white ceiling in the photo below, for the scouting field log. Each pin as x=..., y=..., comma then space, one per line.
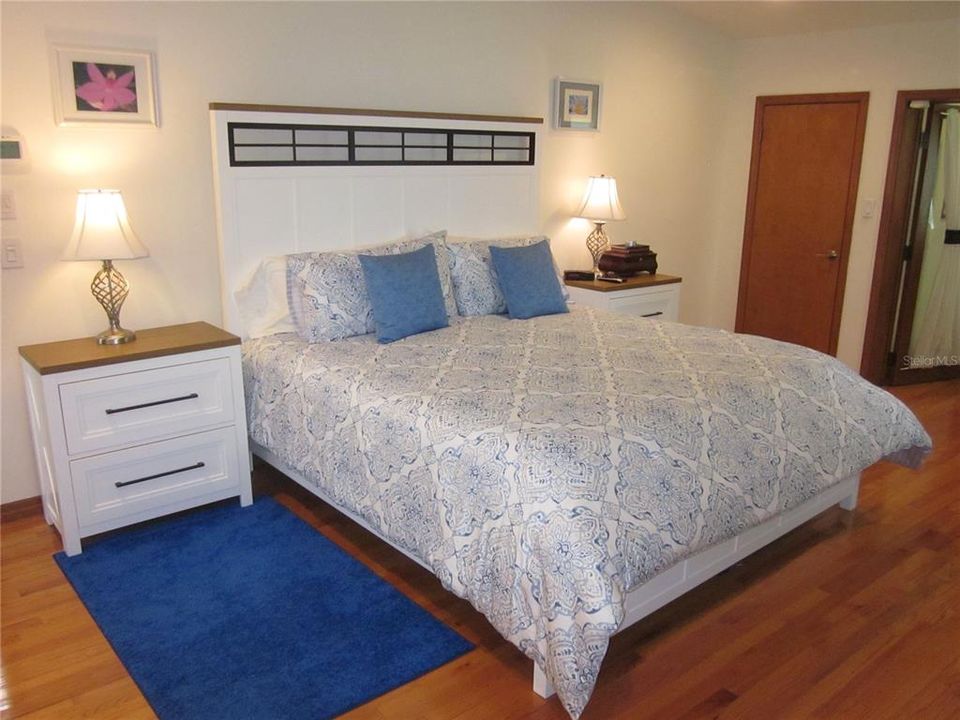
x=763, y=18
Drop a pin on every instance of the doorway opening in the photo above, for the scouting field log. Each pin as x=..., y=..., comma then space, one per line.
x=913, y=325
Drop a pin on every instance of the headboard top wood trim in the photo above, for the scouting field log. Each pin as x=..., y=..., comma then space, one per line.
x=308, y=110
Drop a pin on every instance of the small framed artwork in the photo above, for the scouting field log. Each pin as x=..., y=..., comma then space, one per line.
x=577, y=105
x=94, y=86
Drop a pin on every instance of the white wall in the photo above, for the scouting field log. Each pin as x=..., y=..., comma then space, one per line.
x=676, y=132
x=661, y=74
x=881, y=60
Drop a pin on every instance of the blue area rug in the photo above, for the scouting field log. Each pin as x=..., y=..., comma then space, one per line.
x=231, y=612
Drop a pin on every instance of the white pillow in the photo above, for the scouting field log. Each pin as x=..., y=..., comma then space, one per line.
x=262, y=300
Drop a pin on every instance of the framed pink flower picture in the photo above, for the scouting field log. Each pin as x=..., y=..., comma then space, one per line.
x=98, y=86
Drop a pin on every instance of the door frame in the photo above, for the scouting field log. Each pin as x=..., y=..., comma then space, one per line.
x=764, y=101
x=891, y=240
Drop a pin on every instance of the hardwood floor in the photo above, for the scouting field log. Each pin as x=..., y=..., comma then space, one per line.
x=849, y=616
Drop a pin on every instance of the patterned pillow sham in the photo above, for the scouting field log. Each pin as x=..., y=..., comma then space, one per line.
x=327, y=294
x=475, y=285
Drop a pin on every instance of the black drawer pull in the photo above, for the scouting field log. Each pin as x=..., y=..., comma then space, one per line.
x=111, y=411
x=195, y=466
x=652, y=314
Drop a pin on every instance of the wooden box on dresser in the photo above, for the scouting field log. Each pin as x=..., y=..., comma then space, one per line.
x=652, y=296
x=125, y=433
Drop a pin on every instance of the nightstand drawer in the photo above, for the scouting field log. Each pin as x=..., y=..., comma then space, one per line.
x=655, y=305
x=656, y=297
x=137, y=407
x=151, y=480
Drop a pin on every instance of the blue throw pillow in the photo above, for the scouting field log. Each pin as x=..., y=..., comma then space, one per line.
x=528, y=280
x=404, y=292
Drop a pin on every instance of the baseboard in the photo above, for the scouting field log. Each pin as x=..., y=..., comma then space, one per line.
x=21, y=508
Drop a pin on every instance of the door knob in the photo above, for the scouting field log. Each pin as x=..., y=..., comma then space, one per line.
x=832, y=255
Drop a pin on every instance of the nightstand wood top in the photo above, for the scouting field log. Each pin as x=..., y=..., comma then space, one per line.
x=637, y=281
x=65, y=355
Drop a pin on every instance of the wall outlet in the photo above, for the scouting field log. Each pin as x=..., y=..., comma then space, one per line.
x=12, y=255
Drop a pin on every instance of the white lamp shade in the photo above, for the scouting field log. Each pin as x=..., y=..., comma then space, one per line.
x=601, y=202
x=101, y=230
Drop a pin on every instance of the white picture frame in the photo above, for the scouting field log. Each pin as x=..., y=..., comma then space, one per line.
x=576, y=105
x=100, y=86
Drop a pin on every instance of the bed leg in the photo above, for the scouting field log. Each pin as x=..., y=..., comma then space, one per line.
x=850, y=501
x=541, y=685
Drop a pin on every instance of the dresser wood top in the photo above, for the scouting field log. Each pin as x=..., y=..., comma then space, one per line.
x=637, y=281
x=81, y=353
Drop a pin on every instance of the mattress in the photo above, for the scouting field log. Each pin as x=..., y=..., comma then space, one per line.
x=543, y=468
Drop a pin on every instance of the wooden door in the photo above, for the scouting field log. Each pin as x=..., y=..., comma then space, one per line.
x=801, y=201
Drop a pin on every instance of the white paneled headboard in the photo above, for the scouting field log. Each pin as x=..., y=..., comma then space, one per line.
x=278, y=190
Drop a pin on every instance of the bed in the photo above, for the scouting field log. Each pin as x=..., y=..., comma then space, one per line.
x=567, y=474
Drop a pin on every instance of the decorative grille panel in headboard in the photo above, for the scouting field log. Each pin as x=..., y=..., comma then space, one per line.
x=283, y=186
x=285, y=144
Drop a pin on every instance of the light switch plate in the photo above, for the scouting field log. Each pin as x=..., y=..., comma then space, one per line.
x=8, y=205
x=11, y=255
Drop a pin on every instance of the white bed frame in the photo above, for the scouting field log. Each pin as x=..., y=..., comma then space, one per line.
x=264, y=211
x=668, y=585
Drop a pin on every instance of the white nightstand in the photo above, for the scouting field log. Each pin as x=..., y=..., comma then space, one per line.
x=650, y=296
x=124, y=433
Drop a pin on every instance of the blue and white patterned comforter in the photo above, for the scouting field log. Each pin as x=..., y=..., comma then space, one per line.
x=545, y=467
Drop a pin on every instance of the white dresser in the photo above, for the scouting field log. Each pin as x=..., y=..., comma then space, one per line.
x=652, y=296
x=126, y=433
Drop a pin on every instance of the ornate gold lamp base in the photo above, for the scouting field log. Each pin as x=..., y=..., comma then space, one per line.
x=110, y=288
x=597, y=242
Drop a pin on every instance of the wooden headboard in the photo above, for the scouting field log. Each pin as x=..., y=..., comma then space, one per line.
x=295, y=179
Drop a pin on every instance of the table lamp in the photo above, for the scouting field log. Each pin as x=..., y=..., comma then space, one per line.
x=600, y=204
x=102, y=232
